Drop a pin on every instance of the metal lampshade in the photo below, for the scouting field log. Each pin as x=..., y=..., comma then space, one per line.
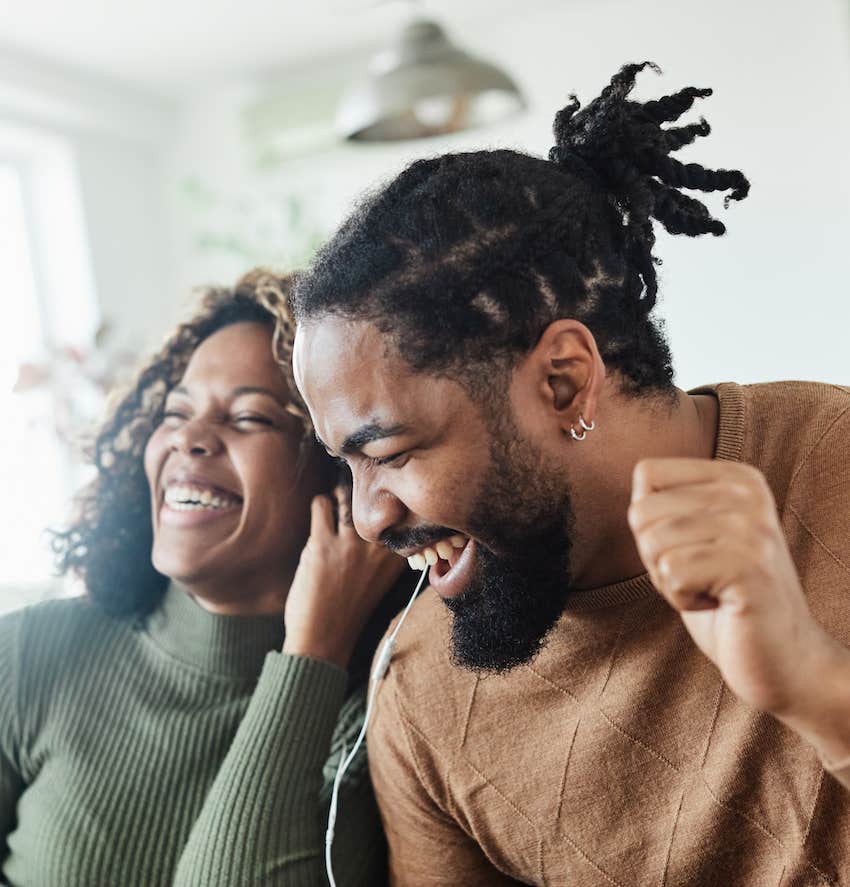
x=424, y=86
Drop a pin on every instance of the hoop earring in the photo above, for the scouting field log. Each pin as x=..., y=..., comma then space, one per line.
x=585, y=428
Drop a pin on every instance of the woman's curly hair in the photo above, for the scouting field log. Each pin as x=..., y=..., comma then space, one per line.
x=108, y=543
x=464, y=259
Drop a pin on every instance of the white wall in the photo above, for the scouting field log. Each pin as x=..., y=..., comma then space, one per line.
x=89, y=158
x=177, y=194
x=118, y=140
x=771, y=300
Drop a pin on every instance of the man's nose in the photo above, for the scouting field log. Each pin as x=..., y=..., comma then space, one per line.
x=374, y=509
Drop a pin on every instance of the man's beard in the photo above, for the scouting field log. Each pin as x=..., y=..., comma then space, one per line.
x=523, y=509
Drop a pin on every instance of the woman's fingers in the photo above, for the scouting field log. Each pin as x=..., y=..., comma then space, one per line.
x=339, y=581
x=343, y=499
x=322, y=517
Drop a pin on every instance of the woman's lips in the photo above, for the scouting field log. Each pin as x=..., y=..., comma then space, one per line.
x=197, y=488
x=195, y=517
x=190, y=504
x=451, y=580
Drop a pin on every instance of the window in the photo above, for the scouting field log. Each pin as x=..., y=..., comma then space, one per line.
x=41, y=235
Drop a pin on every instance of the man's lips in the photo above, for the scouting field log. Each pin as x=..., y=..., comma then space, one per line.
x=451, y=578
x=442, y=546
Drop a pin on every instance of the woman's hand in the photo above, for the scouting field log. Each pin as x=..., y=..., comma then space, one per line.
x=339, y=581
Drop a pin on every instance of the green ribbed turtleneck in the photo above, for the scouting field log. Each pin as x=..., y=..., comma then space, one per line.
x=232, y=646
x=185, y=752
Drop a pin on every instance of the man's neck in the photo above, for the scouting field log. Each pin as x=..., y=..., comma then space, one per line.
x=634, y=429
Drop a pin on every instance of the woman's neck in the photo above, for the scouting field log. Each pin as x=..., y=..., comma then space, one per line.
x=241, y=594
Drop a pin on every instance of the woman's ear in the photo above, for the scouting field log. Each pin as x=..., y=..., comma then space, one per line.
x=569, y=372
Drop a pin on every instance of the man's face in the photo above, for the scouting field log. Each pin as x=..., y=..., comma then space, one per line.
x=434, y=472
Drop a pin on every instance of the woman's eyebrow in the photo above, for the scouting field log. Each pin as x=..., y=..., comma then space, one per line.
x=240, y=391
x=257, y=389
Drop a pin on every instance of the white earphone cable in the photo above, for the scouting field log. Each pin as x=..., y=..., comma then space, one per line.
x=379, y=670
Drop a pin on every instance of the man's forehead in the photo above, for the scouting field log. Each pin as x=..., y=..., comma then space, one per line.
x=346, y=375
x=331, y=351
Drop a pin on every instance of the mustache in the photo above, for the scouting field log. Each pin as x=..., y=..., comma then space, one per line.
x=415, y=537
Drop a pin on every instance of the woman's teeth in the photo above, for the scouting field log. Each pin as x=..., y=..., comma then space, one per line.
x=181, y=498
x=444, y=549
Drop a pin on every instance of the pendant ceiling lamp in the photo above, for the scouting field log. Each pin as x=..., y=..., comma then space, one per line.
x=424, y=86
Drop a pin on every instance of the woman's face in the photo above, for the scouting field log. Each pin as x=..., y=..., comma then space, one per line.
x=228, y=511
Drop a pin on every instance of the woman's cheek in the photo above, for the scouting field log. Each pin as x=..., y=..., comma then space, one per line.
x=153, y=456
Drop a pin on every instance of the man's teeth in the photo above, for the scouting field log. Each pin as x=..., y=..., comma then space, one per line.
x=185, y=498
x=432, y=553
x=417, y=562
x=444, y=549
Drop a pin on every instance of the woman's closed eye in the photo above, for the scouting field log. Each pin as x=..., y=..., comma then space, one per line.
x=248, y=420
x=244, y=421
x=173, y=415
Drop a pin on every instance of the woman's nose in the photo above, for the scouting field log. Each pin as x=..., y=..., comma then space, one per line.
x=195, y=438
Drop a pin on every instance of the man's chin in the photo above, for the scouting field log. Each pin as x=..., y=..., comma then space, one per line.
x=520, y=580
x=490, y=659
x=501, y=621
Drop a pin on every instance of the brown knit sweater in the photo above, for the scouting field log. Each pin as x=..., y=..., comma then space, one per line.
x=618, y=757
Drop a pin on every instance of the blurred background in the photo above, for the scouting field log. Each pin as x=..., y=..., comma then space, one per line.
x=148, y=148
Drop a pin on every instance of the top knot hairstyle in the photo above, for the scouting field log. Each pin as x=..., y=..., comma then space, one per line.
x=464, y=259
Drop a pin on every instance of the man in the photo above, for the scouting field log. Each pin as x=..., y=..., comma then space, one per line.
x=635, y=670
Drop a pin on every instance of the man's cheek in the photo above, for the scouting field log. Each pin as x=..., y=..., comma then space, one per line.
x=440, y=502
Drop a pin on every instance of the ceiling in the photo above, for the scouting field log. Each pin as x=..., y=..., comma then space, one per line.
x=177, y=47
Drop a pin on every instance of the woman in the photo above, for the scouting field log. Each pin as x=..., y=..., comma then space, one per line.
x=180, y=724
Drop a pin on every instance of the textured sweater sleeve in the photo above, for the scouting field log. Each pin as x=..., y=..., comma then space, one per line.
x=263, y=821
x=819, y=502
x=841, y=771
x=426, y=845
x=11, y=783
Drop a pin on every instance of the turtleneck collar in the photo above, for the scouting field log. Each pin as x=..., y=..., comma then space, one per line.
x=233, y=646
x=729, y=445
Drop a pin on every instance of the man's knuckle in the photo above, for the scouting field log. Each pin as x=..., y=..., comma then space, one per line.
x=643, y=471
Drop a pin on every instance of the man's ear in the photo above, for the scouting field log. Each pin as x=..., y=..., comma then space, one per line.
x=569, y=371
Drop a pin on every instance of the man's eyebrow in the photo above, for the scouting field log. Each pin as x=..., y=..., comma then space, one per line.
x=368, y=433
x=364, y=435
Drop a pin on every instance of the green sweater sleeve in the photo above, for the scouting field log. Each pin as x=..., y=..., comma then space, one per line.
x=263, y=821
x=11, y=784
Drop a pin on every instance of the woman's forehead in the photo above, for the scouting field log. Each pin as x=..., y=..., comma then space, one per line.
x=240, y=355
